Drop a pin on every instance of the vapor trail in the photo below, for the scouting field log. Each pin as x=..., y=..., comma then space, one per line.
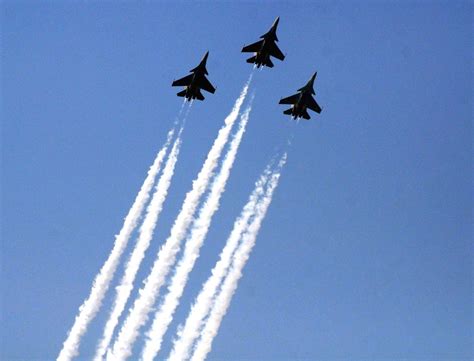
x=92, y=304
x=138, y=314
x=125, y=287
x=200, y=227
x=203, y=303
x=223, y=299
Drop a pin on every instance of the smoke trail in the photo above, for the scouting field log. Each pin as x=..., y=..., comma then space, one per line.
x=241, y=256
x=125, y=287
x=92, y=304
x=194, y=242
x=190, y=332
x=138, y=315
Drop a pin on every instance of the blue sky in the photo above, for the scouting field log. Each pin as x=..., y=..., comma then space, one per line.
x=366, y=252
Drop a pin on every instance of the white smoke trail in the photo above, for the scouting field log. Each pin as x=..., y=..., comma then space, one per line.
x=164, y=315
x=125, y=287
x=223, y=299
x=193, y=324
x=92, y=304
x=138, y=314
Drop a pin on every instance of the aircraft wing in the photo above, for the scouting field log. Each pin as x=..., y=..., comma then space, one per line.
x=252, y=48
x=183, y=81
x=313, y=105
x=276, y=52
x=292, y=99
x=206, y=85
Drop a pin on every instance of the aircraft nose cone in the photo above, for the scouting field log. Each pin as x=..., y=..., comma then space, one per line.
x=275, y=23
x=311, y=81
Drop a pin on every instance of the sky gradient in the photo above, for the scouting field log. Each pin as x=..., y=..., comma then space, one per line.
x=366, y=251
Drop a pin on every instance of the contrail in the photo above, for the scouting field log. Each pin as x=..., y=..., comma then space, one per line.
x=193, y=324
x=199, y=230
x=101, y=283
x=241, y=256
x=125, y=287
x=138, y=314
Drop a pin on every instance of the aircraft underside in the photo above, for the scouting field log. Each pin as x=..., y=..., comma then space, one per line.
x=260, y=60
x=297, y=112
x=191, y=93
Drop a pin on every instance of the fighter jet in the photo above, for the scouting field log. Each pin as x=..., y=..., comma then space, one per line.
x=265, y=48
x=194, y=82
x=302, y=101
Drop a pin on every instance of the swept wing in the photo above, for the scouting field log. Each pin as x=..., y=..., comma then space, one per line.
x=276, y=52
x=313, y=105
x=292, y=99
x=183, y=81
x=253, y=48
x=205, y=84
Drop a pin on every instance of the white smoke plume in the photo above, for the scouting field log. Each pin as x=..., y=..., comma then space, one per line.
x=138, y=314
x=125, y=287
x=90, y=307
x=223, y=299
x=199, y=230
x=203, y=303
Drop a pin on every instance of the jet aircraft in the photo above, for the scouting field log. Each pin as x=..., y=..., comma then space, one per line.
x=302, y=101
x=194, y=82
x=265, y=48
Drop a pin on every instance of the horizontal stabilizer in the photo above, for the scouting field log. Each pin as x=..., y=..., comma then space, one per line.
x=182, y=93
x=269, y=63
x=199, y=95
x=288, y=111
x=306, y=115
x=252, y=59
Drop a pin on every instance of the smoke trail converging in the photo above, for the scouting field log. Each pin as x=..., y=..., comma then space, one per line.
x=125, y=287
x=223, y=299
x=193, y=324
x=92, y=304
x=194, y=242
x=138, y=314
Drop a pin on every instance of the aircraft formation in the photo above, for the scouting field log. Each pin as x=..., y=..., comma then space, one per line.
x=262, y=51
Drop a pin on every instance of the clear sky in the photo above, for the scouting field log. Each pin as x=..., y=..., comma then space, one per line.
x=366, y=252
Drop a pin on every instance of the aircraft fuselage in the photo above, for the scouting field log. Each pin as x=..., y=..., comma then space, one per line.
x=263, y=55
x=192, y=89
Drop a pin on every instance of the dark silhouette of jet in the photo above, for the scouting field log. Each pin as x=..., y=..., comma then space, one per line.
x=265, y=48
x=195, y=82
x=302, y=101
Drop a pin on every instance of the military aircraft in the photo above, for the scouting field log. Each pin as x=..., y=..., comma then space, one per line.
x=195, y=82
x=265, y=48
x=302, y=101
